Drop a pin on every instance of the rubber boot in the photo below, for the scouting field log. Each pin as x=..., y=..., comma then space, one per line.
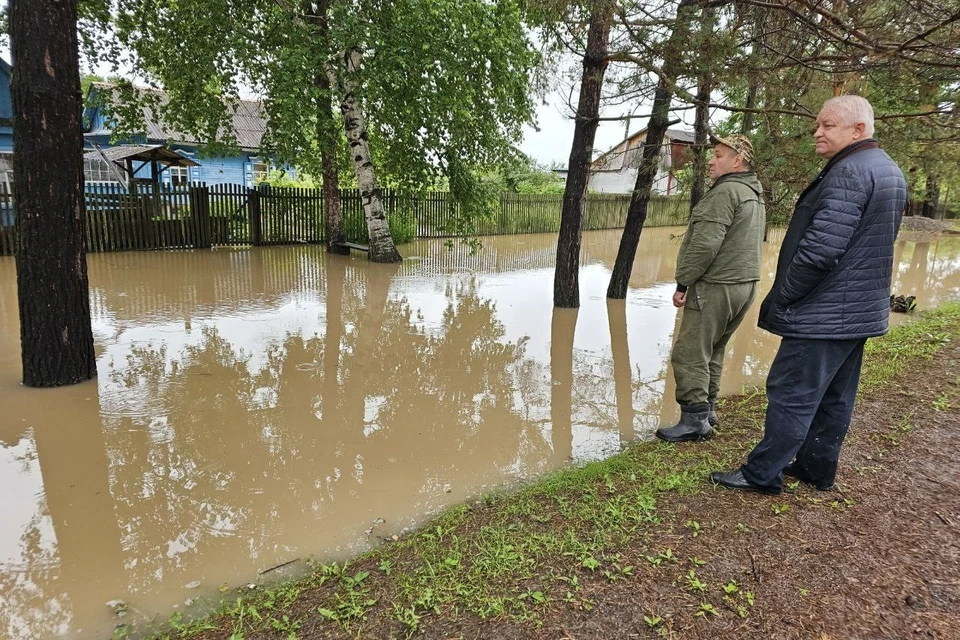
x=693, y=425
x=712, y=413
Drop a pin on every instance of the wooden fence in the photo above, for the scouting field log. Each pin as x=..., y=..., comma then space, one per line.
x=200, y=216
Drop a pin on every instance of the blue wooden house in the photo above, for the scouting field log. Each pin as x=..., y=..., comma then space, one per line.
x=6, y=143
x=248, y=167
x=6, y=123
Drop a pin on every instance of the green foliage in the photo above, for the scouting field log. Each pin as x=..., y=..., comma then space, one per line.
x=442, y=82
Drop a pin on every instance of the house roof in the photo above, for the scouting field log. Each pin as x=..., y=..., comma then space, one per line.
x=249, y=122
x=141, y=152
x=678, y=135
x=674, y=134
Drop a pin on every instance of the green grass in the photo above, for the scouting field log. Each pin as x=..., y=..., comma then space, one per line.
x=511, y=554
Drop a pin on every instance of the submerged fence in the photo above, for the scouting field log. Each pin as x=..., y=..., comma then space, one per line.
x=201, y=216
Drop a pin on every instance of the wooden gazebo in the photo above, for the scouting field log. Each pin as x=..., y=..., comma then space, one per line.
x=122, y=160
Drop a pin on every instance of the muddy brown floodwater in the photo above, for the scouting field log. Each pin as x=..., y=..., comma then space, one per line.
x=256, y=406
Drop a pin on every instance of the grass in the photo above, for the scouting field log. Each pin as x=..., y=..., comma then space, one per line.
x=512, y=554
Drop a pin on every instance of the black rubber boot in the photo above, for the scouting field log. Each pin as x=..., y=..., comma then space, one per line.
x=693, y=425
x=712, y=413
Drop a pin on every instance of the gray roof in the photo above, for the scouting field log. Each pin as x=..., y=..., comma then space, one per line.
x=249, y=122
x=681, y=136
x=141, y=152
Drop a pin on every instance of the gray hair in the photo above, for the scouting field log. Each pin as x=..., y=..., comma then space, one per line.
x=852, y=110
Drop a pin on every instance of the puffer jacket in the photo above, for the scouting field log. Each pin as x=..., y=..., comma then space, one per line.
x=836, y=261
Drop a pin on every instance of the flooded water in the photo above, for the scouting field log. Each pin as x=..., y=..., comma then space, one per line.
x=256, y=406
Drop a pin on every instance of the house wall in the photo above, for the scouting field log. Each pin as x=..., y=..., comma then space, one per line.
x=6, y=111
x=233, y=169
x=613, y=181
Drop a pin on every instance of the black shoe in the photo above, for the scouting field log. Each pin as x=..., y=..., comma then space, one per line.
x=735, y=480
x=712, y=417
x=794, y=471
x=693, y=427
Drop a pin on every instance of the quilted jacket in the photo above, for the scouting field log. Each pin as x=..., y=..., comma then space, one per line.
x=835, y=264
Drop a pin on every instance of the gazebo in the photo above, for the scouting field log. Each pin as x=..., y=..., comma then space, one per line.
x=121, y=159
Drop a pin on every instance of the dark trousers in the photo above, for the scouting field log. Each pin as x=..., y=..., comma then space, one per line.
x=811, y=389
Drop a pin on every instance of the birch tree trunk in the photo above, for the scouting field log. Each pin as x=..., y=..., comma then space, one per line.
x=55, y=333
x=382, y=248
x=566, y=279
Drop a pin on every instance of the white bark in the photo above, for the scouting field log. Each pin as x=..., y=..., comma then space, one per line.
x=382, y=248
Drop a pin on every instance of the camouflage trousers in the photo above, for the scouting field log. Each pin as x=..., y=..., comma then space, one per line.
x=710, y=316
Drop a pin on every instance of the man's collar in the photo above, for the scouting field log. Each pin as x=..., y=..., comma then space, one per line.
x=732, y=173
x=850, y=149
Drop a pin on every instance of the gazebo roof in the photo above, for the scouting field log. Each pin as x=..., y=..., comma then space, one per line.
x=142, y=152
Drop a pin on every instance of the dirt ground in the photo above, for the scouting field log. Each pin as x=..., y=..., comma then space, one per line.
x=878, y=559
x=918, y=224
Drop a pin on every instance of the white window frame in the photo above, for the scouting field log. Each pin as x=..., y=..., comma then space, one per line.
x=104, y=174
x=259, y=174
x=179, y=176
x=6, y=176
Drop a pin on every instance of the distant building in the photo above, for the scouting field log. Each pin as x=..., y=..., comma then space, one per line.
x=615, y=171
x=6, y=126
x=248, y=167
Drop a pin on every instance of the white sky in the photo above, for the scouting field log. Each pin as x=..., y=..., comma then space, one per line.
x=552, y=142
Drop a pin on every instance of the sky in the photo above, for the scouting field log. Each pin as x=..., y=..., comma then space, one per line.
x=552, y=142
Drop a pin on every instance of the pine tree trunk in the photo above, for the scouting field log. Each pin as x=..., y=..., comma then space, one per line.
x=932, y=198
x=55, y=333
x=701, y=127
x=566, y=280
x=382, y=248
x=327, y=131
x=656, y=128
x=748, y=116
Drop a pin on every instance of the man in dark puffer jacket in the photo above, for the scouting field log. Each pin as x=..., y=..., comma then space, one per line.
x=831, y=293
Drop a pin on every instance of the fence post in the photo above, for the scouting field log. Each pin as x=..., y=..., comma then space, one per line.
x=200, y=212
x=253, y=199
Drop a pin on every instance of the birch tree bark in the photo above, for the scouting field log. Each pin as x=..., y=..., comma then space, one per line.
x=382, y=248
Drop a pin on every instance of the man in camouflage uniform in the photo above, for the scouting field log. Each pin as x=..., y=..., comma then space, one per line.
x=718, y=269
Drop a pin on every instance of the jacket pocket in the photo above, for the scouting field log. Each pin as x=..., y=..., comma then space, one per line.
x=695, y=296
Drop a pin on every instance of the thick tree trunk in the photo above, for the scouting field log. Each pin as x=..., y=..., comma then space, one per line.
x=656, y=128
x=382, y=248
x=932, y=198
x=701, y=127
x=566, y=280
x=55, y=334
x=327, y=131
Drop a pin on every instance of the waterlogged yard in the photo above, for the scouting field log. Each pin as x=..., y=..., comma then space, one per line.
x=256, y=407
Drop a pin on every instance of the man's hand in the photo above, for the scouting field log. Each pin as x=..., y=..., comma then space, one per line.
x=679, y=298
